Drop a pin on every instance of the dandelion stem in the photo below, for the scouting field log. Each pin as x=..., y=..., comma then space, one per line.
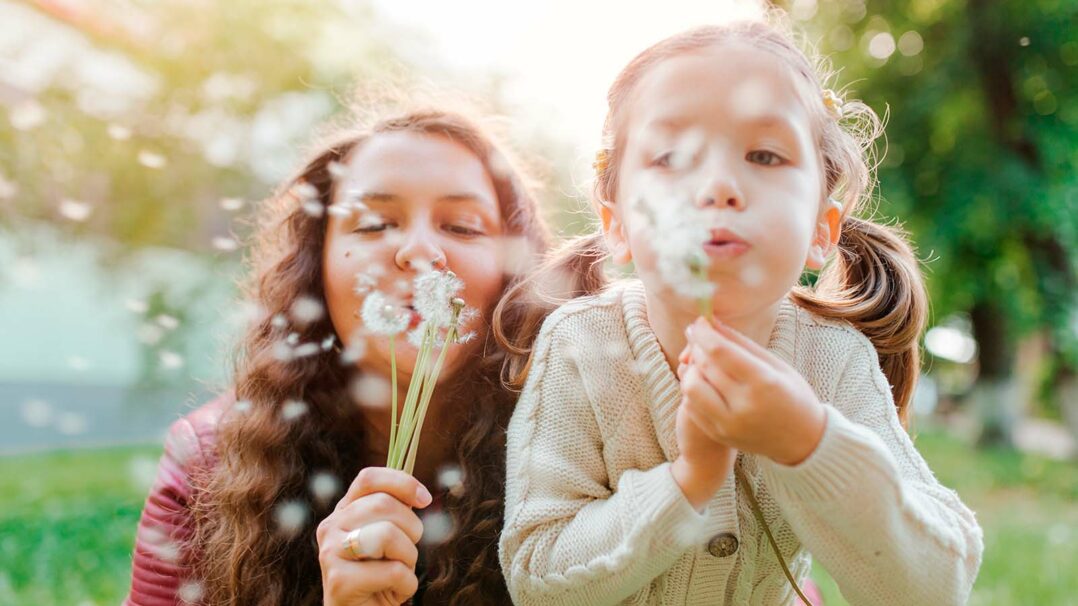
x=393, y=375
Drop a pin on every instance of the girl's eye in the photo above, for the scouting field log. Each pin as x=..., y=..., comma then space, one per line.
x=662, y=160
x=761, y=156
x=464, y=230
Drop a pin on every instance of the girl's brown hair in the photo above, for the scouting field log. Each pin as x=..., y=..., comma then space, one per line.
x=875, y=282
x=239, y=553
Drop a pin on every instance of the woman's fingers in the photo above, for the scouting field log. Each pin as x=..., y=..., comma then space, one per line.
x=380, y=507
x=404, y=487
x=380, y=541
x=355, y=581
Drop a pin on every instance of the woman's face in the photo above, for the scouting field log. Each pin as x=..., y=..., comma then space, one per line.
x=428, y=202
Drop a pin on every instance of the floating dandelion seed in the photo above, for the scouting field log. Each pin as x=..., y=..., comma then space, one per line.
x=354, y=352
x=340, y=209
x=242, y=406
x=306, y=310
x=371, y=391
x=305, y=191
x=324, y=486
x=292, y=339
x=151, y=159
x=451, y=478
x=190, y=592
x=313, y=208
x=279, y=321
x=166, y=321
x=75, y=210
x=327, y=343
x=170, y=360
x=752, y=275
x=150, y=334
x=437, y=526
x=8, y=189
x=517, y=254
x=119, y=132
x=27, y=115
x=136, y=305
x=78, y=363
x=283, y=351
x=225, y=244
x=142, y=471
x=36, y=413
x=290, y=517
x=306, y=349
x=293, y=409
x=231, y=204
x=335, y=169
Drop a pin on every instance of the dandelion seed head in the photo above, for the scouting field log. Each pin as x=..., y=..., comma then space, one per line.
x=382, y=317
x=151, y=159
x=293, y=409
x=290, y=517
x=371, y=391
x=74, y=210
x=118, y=132
x=434, y=293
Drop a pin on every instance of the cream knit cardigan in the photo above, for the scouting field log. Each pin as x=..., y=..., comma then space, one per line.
x=593, y=515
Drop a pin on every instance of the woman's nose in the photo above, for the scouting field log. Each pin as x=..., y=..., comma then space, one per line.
x=419, y=250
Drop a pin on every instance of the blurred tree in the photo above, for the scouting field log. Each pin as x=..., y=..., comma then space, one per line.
x=980, y=163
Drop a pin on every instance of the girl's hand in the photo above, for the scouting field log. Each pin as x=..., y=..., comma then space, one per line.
x=379, y=502
x=743, y=395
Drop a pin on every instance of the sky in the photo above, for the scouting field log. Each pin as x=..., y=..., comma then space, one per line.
x=558, y=56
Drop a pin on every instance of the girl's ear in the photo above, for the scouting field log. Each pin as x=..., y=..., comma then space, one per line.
x=615, y=234
x=828, y=230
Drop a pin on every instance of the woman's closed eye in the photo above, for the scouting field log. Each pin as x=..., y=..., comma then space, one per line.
x=466, y=230
x=372, y=225
x=764, y=157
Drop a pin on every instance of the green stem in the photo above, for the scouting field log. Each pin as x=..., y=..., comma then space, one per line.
x=428, y=391
x=759, y=515
x=393, y=374
x=414, y=386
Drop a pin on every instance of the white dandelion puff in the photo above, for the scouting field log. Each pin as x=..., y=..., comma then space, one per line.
x=382, y=317
x=71, y=423
x=279, y=321
x=151, y=159
x=335, y=169
x=437, y=526
x=292, y=339
x=142, y=472
x=434, y=294
x=36, y=413
x=150, y=334
x=365, y=283
x=306, y=349
x=451, y=478
x=191, y=592
x=242, y=406
x=282, y=351
x=166, y=321
x=231, y=204
x=306, y=310
x=8, y=189
x=225, y=244
x=27, y=115
x=324, y=486
x=136, y=305
x=354, y=352
x=327, y=343
x=305, y=191
x=75, y=210
x=119, y=132
x=313, y=208
x=170, y=360
x=293, y=409
x=290, y=517
x=371, y=391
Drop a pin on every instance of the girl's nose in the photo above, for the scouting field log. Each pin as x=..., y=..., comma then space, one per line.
x=419, y=250
x=722, y=192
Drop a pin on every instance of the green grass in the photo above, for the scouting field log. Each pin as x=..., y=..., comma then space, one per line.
x=1027, y=508
x=67, y=523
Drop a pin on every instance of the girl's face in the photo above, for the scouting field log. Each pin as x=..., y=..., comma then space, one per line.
x=430, y=202
x=728, y=130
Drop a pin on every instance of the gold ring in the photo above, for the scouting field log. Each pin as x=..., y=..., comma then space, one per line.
x=352, y=545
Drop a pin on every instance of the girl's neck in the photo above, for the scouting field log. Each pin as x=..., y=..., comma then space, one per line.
x=669, y=318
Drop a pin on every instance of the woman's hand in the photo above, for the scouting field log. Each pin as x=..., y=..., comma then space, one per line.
x=741, y=394
x=379, y=503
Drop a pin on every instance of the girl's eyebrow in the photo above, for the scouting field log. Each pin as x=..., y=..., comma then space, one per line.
x=387, y=198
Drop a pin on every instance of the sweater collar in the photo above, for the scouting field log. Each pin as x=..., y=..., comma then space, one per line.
x=662, y=385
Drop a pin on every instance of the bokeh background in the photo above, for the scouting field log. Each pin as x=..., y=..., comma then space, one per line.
x=137, y=137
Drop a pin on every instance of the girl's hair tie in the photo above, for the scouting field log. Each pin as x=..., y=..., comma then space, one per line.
x=833, y=103
x=602, y=160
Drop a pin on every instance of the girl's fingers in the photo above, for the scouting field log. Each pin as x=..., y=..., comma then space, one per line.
x=714, y=374
x=751, y=346
x=725, y=352
x=705, y=399
x=380, y=507
x=404, y=487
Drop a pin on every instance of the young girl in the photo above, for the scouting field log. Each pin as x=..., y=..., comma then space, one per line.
x=264, y=495
x=646, y=438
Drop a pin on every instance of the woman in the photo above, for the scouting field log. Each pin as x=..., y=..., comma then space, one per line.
x=259, y=491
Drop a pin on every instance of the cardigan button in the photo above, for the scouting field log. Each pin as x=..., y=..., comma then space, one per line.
x=722, y=545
